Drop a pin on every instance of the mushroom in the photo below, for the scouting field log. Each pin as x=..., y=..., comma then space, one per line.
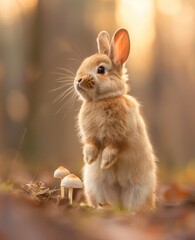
x=61, y=172
x=71, y=181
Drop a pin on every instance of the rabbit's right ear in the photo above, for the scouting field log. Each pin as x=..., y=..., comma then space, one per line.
x=103, y=43
x=120, y=46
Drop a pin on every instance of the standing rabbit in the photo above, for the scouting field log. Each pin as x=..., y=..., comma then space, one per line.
x=120, y=167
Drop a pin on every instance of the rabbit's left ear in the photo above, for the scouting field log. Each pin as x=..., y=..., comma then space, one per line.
x=103, y=43
x=120, y=46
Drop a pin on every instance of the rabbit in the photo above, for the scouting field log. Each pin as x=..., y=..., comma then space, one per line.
x=120, y=165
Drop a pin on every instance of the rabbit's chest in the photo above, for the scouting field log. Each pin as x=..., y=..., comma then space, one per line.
x=103, y=123
x=95, y=122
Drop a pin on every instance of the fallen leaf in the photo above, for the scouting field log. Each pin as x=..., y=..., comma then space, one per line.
x=175, y=194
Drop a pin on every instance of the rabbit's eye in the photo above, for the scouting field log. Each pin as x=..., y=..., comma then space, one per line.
x=101, y=70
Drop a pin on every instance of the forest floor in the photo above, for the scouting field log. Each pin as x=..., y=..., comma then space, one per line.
x=36, y=211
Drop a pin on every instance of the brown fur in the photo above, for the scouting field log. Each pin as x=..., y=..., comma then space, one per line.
x=120, y=166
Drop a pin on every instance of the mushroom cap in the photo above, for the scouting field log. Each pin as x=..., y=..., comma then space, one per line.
x=61, y=172
x=71, y=181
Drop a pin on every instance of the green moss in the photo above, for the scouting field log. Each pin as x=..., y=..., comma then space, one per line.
x=6, y=186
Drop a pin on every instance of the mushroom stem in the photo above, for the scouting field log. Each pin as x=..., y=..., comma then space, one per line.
x=70, y=192
x=62, y=192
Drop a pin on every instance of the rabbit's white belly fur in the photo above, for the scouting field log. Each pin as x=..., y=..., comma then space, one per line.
x=132, y=178
x=125, y=184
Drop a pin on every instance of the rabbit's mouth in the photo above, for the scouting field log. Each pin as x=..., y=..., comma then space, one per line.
x=86, y=83
x=85, y=86
x=81, y=88
x=83, y=91
x=78, y=87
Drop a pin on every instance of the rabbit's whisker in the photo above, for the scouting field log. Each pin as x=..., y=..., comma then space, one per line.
x=63, y=95
x=65, y=104
x=63, y=86
x=66, y=70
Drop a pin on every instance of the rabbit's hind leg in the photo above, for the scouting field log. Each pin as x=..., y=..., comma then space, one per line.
x=91, y=200
x=102, y=194
x=137, y=198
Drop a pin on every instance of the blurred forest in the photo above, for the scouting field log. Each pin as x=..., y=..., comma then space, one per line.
x=37, y=37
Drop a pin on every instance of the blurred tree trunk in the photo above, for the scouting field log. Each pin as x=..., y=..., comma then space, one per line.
x=16, y=25
x=172, y=91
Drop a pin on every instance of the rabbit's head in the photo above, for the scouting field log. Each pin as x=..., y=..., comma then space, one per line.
x=101, y=75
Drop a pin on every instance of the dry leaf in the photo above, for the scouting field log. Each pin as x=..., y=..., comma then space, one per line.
x=38, y=191
x=175, y=193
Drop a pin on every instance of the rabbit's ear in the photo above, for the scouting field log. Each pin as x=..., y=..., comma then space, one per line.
x=103, y=43
x=120, y=46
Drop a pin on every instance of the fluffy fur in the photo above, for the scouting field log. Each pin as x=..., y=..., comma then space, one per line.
x=119, y=161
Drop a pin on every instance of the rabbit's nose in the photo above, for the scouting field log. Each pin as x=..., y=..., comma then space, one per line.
x=80, y=80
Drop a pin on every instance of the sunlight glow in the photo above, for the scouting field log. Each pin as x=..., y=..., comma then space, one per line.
x=184, y=20
x=11, y=9
x=168, y=7
x=138, y=17
x=139, y=6
x=8, y=10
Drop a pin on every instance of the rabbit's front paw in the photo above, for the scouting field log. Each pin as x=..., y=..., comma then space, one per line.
x=109, y=157
x=90, y=153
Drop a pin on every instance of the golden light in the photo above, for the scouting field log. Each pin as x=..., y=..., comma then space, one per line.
x=10, y=10
x=138, y=17
x=168, y=7
x=28, y=5
x=185, y=20
x=17, y=106
x=140, y=6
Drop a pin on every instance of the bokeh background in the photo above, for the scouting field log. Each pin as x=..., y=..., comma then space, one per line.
x=39, y=37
